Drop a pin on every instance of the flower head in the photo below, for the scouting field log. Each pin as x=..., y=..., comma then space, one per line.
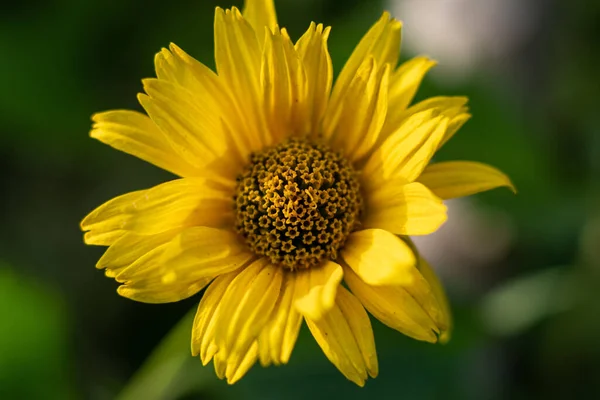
x=286, y=187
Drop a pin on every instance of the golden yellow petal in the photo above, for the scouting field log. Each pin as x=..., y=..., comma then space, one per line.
x=278, y=337
x=234, y=366
x=394, y=306
x=179, y=136
x=103, y=238
x=229, y=327
x=220, y=363
x=445, y=321
x=246, y=307
x=111, y=210
x=317, y=288
x=378, y=257
x=134, y=133
x=404, y=209
x=454, y=125
x=159, y=277
x=312, y=49
x=175, y=204
x=112, y=273
x=194, y=254
x=405, y=153
x=149, y=261
x=450, y=106
x=355, y=125
x=237, y=368
x=176, y=66
x=238, y=60
x=453, y=108
x=351, y=351
x=284, y=87
x=196, y=122
x=154, y=287
x=424, y=294
x=203, y=330
x=260, y=14
x=453, y=179
x=404, y=83
x=360, y=325
x=155, y=293
x=129, y=248
x=382, y=42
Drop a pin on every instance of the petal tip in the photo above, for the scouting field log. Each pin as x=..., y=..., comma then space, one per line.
x=511, y=186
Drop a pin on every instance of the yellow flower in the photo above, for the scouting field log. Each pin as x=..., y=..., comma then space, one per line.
x=285, y=190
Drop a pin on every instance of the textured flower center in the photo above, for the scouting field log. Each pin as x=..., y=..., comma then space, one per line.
x=296, y=203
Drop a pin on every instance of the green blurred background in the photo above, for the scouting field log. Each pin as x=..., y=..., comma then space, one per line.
x=522, y=271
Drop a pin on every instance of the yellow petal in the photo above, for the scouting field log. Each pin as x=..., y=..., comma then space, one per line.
x=112, y=273
x=179, y=203
x=455, y=124
x=407, y=151
x=236, y=369
x=196, y=253
x=129, y=248
x=184, y=141
x=220, y=363
x=246, y=308
x=278, y=337
x=243, y=307
x=360, y=325
x=382, y=42
x=453, y=179
x=453, y=107
x=159, y=276
x=346, y=337
x=378, y=257
x=260, y=13
x=163, y=293
x=355, y=125
x=238, y=60
x=450, y=106
x=404, y=83
x=178, y=71
x=312, y=48
x=101, y=234
x=394, y=306
x=284, y=87
x=404, y=209
x=425, y=295
x=195, y=120
x=134, y=133
x=203, y=331
x=445, y=321
x=317, y=288
x=157, y=288
x=103, y=238
x=176, y=66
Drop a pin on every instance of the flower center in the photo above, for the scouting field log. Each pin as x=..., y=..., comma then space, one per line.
x=296, y=203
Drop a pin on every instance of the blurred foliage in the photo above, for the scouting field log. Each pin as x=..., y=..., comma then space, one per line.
x=530, y=331
x=33, y=340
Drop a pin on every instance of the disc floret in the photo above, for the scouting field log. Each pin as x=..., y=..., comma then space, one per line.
x=296, y=203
